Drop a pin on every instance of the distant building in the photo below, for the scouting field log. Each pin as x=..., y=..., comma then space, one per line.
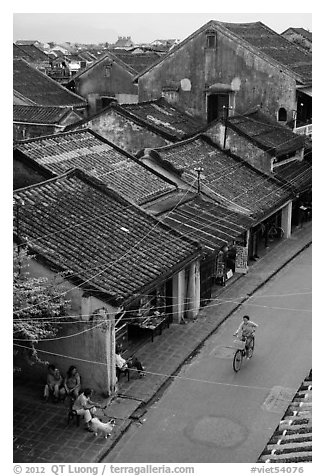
x=123, y=42
x=106, y=79
x=300, y=36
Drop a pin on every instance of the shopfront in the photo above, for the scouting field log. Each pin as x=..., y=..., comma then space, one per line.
x=154, y=310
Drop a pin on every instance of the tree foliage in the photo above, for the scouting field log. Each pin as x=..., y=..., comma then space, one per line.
x=38, y=304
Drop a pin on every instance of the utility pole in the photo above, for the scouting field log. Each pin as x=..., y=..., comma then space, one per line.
x=198, y=170
x=225, y=116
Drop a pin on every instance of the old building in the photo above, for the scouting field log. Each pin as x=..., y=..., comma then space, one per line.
x=229, y=181
x=106, y=79
x=112, y=255
x=36, y=121
x=259, y=140
x=94, y=155
x=136, y=126
x=32, y=87
x=226, y=68
x=299, y=36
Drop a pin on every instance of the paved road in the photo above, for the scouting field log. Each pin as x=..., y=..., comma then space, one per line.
x=212, y=415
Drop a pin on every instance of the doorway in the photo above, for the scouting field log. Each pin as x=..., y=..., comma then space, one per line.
x=217, y=106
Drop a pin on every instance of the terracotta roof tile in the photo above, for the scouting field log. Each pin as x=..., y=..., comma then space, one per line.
x=39, y=114
x=297, y=174
x=109, y=245
x=228, y=176
x=138, y=61
x=275, y=46
x=87, y=151
x=163, y=116
x=292, y=440
x=267, y=133
x=42, y=90
x=206, y=222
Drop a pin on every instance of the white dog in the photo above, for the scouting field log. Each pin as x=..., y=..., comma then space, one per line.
x=102, y=428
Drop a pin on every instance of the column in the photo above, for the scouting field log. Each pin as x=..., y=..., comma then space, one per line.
x=286, y=215
x=194, y=290
x=178, y=296
x=110, y=354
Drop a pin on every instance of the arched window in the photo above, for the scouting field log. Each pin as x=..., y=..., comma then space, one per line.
x=282, y=115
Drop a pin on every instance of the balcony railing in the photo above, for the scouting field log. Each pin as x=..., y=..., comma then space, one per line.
x=304, y=130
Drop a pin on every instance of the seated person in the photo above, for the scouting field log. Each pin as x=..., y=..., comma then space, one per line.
x=123, y=364
x=72, y=382
x=54, y=384
x=84, y=406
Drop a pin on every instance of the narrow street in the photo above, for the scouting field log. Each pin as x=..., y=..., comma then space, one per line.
x=210, y=414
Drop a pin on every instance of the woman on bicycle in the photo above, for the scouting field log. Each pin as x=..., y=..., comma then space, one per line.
x=246, y=330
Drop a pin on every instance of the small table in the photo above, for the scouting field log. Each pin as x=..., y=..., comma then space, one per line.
x=152, y=325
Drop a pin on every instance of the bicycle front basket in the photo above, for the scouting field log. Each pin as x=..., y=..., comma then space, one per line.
x=239, y=344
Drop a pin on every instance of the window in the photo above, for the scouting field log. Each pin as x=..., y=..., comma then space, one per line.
x=107, y=71
x=211, y=40
x=282, y=115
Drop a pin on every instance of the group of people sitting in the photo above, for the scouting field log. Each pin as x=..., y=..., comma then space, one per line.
x=60, y=387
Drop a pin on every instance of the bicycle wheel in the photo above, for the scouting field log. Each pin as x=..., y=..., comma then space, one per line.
x=250, y=347
x=237, y=361
x=272, y=233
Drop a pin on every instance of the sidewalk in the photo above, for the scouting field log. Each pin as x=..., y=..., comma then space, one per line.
x=41, y=433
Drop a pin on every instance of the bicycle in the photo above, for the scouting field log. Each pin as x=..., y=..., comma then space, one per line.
x=246, y=349
x=275, y=232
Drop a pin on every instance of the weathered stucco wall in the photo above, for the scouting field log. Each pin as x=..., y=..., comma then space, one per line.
x=240, y=146
x=81, y=342
x=125, y=133
x=254, y=80
x=97, y=80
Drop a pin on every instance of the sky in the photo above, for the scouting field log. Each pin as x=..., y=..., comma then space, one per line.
x=91, y=27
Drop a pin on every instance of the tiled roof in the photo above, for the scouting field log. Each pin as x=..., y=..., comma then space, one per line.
x=275, y=46
x=301, y=31
x=292, y=440
x=39, y=114
x=264, y=41
x=19, y=53
x=139, y=61
x=227, y=176
x=267, y=133
x=103, y=57
x=41, y=89
x=108, y=245
x=89, y=152
x=164, y=117
x=158, y=116
x=206, y=222
x=35, y=53
x=297, y=173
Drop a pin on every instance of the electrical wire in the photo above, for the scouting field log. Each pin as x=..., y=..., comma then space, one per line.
x=142, y=240
x=146, y=372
